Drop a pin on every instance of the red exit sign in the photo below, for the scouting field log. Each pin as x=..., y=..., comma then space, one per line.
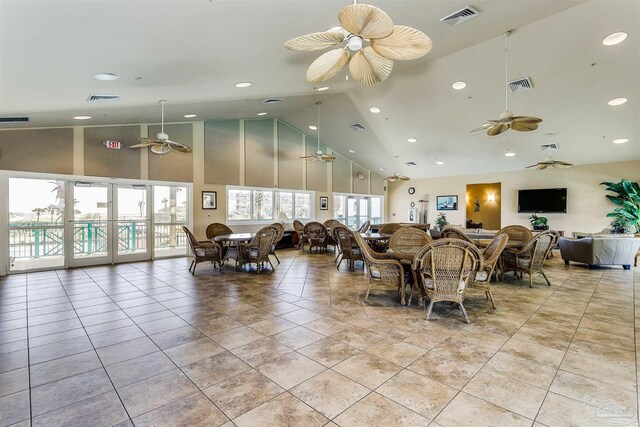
x=114, y=145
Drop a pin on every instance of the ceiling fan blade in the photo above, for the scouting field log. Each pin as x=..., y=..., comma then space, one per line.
x=315, y=41
x=404, y=178
x=327, y=65
x=561, y=165
x=144, y=145
x=533, y=166
x=497, y=129
x=176, y=146
x=365, y=21
x=312, y=156
x=369, y=68
x=485, y=126
x=149, y=141
x=526, y=119
x=524, y=126
x=327, y=158
x=404, y=44
x=392, y=178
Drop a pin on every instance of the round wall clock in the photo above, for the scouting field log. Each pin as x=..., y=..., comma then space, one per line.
x=412, y=190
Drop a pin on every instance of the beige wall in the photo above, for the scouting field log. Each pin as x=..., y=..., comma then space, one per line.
x=490, y=212
x=586, y=205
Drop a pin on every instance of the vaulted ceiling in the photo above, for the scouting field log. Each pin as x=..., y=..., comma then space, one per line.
x=193, y=52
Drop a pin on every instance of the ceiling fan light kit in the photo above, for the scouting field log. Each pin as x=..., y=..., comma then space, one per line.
x=371, y=64
x=162, y=144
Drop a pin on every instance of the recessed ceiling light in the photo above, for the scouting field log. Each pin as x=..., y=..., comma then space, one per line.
x=412, y=140
x=439, y=162
x=262, y=114
x=614, y=38
x=617, y=101
x=620, y=140
x=189, y=116
x=106, y=76
x=243, y=84
x=375, y=110
x=322, y=88
x=312, y=127
x=459, y=85
x=352, y=151
x=509, y=154
x=382, y=169
x=82, y=117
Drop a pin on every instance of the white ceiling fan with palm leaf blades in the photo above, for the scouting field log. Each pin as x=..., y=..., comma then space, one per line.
x=162, y=144
x=507, y=120
x=319, y=155
x=362, y=24
x=396, y=175
x=549, y=162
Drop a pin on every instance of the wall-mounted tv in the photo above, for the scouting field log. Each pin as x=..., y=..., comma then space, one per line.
x=545, y=200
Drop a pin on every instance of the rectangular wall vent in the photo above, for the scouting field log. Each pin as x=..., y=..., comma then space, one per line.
x=521, y=85
x=272, y=100
x=460, y=16
x=410, y=163
x=358, y=127
x=98, y=98
x=14, y=119
x=545, y=147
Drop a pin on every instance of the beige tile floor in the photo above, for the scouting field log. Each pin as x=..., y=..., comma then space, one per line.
x=149, y=344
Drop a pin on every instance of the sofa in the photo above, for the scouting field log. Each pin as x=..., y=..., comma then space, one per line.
x=601, y=250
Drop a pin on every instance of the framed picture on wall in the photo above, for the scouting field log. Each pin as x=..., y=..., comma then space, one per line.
x=324, y=203
x=209, y=200
x=447, y=203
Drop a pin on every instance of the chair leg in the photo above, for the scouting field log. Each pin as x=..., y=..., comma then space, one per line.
x=530, y=280
x=464, y=311
x=490, y=296
x=366, y=297
x=545, y=278
x=338, y=266
x=191, y=266
x=277, y=259
x=429, y=309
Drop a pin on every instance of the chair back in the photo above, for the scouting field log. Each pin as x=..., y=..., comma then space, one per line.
x=409, y=239
x=330, y=223
x=367, y=252
x=193, y=243
x=517, y=234
x=539, y=246
x=217, y=229
x=346, y=240
x=279, y=232
x=364, y=227
x=449, y=232
x=492, y=252
x=450, y=264
x=389, y=228
x=263, y=241
x=315, y=231
x=298, y=227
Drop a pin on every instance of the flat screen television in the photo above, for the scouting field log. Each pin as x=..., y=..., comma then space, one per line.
x=544, y=200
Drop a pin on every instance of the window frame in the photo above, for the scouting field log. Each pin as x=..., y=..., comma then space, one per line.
x=275, y=198
x=357, y=196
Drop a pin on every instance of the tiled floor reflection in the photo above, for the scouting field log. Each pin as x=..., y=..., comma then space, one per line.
x=149, y=344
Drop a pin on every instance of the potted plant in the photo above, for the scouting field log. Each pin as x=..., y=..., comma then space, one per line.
x=441, y=221
x=620, y=225
x=627, y=200
x=539, y=222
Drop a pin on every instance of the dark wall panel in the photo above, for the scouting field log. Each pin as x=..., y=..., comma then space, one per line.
x=37, y=150
x=100, y=161
x=222, y=152
x=172, y=166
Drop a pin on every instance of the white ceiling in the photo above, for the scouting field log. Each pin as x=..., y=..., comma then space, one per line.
x=192, y=52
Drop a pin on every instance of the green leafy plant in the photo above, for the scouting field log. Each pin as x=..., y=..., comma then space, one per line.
x=627, y=200
x=620, y=225
x=539, y=222
x=441, y=221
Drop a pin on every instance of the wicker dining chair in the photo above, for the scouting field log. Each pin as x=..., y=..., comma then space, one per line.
x=364, y=227
x=409, y=239
x=446, y=267
x=491, y=255
x=530, y=259
x=517, y=234
x=349, y=248
x=449, y=232
x=279, y=234
x=383, y=244
x=299, y=229
x=202, y=251
x=257, y=250
x=328, y=225
x=381, y=268
x=218, y=229
x=316, y=235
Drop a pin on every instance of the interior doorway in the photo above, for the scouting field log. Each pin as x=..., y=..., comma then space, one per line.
x=484, y=206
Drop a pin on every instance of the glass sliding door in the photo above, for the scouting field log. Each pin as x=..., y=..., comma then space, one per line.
x=170, y=213
x=90, y=224
x=36, y=224
x=131, y=223
x=355, y=210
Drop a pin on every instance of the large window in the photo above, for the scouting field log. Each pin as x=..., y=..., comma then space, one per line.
x=263, y=205
x=353, y=209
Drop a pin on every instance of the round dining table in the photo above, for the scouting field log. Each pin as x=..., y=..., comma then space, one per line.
x=483, y=243
x=369, y=236
x=234, y=237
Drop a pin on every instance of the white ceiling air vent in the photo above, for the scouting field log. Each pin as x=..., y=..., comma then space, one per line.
x=411, y=163
x=358, y=127
x=98, y=98
x=521, y=85
x=272, y=100
x=459, y=16
x=552, y=146
x=14, y=119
